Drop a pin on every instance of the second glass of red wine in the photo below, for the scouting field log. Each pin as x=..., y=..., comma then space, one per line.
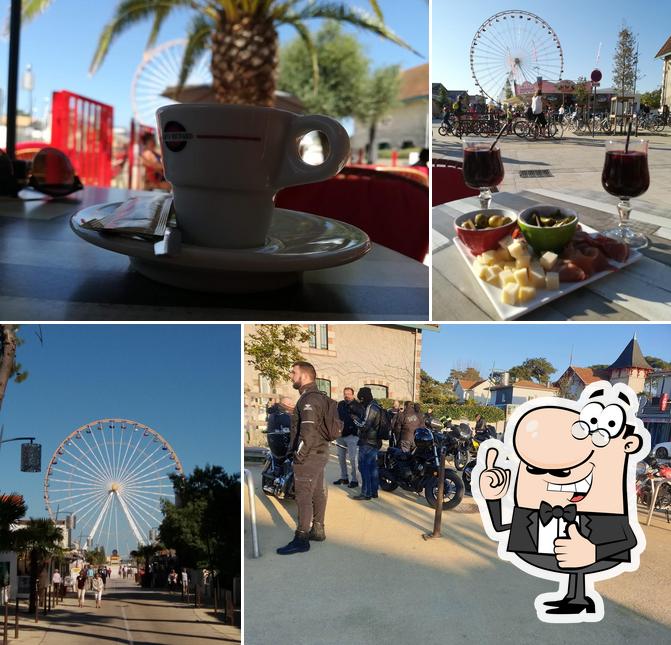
x=625, y=175
x=483, y=168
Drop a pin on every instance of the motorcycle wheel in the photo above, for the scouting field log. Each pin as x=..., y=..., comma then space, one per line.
x=466, y=475
x=460, y=459
x=387, y=484
x=452, y=495
x=442, y=130
x=662, y=453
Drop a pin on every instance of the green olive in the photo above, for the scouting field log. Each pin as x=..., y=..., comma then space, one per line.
x=547, y=221
x=468, y=224
x=494, y=221
x=505, y=220
x=480, y=220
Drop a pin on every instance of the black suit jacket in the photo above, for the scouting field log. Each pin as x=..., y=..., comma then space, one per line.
x=611, y=533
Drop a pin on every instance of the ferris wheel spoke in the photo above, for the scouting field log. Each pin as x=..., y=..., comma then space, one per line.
x=83, y=509
x=131, y=521
x=80, y=469
x=100, y=517
x=58, y=500
x=88, y=466
x=88, y=479
x=126, y=464
x=113, y=434
x=150, y=461
x=97, y=466
x=138, y=460
x=109, y=522
x=145, y=476
x=107, y=454
x=123, y=460
x=98, y=454
x=161, y=492
x=146, y=509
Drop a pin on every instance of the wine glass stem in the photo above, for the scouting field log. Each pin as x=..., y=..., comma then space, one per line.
x=624, y=208
x=485, y=197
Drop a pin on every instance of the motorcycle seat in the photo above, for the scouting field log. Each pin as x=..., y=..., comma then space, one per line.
x=398, y=454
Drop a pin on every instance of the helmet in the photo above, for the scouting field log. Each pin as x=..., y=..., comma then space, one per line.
x=423, y=437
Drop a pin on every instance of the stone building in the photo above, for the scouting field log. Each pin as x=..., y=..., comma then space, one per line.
x=665, y=54
x=407, y=125
x=630, y=368
x=385, y=358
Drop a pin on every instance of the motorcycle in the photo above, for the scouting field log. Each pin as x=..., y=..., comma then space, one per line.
x=488, y=433
x=459, y=444
x=277, y=476
x=417, y=471
x=646, y=471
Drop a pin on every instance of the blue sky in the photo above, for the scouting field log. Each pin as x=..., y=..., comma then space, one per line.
x=60, y=45
x=181, y=380
x=506, y=345
x=580, y=26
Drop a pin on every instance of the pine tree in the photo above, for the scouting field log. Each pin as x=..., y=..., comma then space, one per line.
x=624, y=62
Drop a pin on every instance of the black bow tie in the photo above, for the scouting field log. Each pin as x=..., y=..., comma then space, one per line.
x=548, y=513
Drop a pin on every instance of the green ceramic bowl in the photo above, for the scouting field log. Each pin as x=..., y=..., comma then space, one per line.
x=541, y=238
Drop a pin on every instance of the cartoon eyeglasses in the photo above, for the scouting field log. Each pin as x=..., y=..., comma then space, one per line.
x=600, y=423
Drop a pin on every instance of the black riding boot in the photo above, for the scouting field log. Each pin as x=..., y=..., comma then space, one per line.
x=299, y=544
x=317, y=532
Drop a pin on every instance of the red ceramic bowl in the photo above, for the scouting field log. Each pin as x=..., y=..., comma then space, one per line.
x=485, y=239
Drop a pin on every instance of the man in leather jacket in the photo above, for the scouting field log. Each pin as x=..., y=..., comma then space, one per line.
x=369, y=444
x=349, y=409
x=405, y=424
x=310, y=452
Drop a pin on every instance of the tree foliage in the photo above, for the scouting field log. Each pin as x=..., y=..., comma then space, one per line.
x=581, y=91
x=203, y=526
x=658, y=363
x=12, y=509
x=533, y=369
x=468, y=373
x=443, y=97
x=652, y=99
x=272, y=350
x=434, y=392
x=469, y=411
x=343, y=72
x=97, y=556
x=624, y=61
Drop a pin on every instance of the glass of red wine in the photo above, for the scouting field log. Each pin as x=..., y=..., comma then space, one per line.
x=483, y=168
x=625, y=175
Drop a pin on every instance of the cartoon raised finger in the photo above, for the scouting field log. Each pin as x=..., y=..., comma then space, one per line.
x=573, y=517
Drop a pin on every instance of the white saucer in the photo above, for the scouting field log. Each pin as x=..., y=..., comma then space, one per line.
x=296, y=242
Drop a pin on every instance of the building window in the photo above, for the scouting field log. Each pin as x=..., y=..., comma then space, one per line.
x=319, y=336
x=379, y=391
x=324, y=385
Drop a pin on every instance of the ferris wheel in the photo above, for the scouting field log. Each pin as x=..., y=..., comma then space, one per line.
x=111, y=475
x=159, y=70
x=514, y=47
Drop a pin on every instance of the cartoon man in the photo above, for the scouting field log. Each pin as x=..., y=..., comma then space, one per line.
x=574, y=515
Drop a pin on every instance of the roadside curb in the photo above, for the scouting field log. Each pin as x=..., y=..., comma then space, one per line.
x=206, y=616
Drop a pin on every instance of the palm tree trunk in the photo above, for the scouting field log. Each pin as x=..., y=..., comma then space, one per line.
x=244, y=61
x=32, y=603
x=8, y=357
x=372, y=152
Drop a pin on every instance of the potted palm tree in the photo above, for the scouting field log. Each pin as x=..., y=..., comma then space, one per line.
x=242, y=35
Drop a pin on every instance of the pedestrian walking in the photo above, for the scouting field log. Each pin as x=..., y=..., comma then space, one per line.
x=81, y=587
x=185, y=581
x=56, y=581
x=314, y=424
x=98, y=585
x=89, y=576
x=370, y=442
x=348, y=409
x=172, y=581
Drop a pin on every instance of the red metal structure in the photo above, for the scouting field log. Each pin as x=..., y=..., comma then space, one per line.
x=135, y=169
x=82, y=128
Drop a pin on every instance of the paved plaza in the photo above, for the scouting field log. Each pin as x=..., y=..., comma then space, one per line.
x=129, y=615
x=376, y=580
x=575, y=163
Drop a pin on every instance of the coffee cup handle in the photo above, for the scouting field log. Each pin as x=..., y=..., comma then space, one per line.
x=294, y=170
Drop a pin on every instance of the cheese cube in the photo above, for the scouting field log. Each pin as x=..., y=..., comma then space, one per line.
x=517, y=249
x=496, y=268
x=537, y=277
x=521, y=277
x=525, y=293
x=523, y=262
x=509, y=294
x=507, y=277
x=509, y=265
x=548, y=260
x=487, y=258
x=483, y=272
x=506, y=242
x=552, y=281
x=502, y=255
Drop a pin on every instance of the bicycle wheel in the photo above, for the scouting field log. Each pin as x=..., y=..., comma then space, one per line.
x=442, y=130
x=520, y=128
x=552, y=130
x=606, y=126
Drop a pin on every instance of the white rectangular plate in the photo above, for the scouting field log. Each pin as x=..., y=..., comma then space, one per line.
x=511, y=312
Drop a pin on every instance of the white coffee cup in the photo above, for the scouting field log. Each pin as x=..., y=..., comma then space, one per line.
x=227, y=162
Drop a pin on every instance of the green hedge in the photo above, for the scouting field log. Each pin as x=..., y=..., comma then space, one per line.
x=469, y=411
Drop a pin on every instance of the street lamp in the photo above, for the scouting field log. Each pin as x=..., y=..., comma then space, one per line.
x=31, y=453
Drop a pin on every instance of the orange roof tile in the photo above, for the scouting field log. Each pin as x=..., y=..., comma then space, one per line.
x=665, y=49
